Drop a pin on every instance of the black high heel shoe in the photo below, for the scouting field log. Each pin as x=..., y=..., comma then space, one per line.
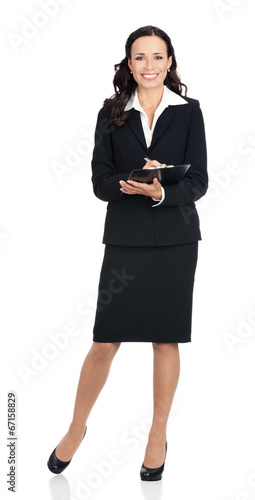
x=57, y=466
x=148, y=474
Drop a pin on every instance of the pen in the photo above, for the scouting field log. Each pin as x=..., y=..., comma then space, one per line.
x=148, y=159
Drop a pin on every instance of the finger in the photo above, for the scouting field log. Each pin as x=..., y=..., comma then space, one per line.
x=126, y=188
x=134, y=183
x=138, y=185
x=125, y=183
x=152, y=163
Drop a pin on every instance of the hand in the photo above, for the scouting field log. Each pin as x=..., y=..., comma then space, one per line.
x=132, y=187
x=153, y=163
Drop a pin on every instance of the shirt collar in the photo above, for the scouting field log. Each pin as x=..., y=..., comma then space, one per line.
x=169, y=98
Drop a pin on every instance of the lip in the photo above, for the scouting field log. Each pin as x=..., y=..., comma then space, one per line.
x=149, y=76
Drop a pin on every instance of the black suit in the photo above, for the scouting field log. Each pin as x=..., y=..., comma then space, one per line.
x=179, y=137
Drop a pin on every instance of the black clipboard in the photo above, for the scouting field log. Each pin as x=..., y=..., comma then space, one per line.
x=170, y=174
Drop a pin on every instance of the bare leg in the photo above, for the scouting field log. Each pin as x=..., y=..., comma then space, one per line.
x=166, y=373
x=94, y=373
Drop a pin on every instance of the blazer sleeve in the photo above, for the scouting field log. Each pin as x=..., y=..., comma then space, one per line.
x=195, y=183
x=105, y=178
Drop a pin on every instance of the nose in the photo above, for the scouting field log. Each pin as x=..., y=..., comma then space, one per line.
x=149, y=64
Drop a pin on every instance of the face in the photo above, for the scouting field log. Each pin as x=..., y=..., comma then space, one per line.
x=149, y=61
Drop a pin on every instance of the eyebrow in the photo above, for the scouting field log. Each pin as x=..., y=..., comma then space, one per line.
x=143, y=54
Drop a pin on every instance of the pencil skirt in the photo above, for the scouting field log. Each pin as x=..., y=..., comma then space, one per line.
x=145, y=294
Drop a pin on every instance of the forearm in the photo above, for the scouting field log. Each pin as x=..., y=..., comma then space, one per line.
x=105, y=177
x=195, y=183
x=185, y=192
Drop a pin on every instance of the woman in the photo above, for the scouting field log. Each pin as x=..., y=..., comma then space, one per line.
x=151, y=233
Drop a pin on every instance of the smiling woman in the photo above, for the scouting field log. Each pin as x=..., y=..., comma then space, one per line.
x=155, y=244
x=147, y=275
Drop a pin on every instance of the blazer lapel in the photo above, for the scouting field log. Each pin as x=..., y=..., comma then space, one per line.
x=135, y=124
x=162, y=123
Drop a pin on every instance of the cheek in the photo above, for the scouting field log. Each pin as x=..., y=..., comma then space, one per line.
x=136, y=72
x=163, y=73
x=136, y=68
x=163, y=67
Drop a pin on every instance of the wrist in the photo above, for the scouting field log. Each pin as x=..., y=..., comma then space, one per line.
x=159, y=195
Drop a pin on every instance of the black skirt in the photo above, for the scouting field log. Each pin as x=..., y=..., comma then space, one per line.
x=145, y=293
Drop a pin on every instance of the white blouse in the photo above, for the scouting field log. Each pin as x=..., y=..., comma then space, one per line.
x=168, y=98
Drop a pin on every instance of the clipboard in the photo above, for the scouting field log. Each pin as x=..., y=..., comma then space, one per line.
x=169, y=174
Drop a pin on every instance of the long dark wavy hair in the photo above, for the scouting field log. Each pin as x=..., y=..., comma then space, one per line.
x=124, y=83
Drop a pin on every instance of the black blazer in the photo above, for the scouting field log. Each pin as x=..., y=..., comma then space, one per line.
x=179, y=137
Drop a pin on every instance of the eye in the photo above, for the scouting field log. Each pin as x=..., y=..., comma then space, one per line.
x=138, y=58
x=158, y=57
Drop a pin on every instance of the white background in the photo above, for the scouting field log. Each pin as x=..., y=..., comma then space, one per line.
x=51, y=251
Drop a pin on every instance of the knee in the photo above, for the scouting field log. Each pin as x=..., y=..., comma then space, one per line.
x=105, y=350
x=164, y=347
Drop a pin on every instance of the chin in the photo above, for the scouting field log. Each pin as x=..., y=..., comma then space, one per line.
x=153, y=84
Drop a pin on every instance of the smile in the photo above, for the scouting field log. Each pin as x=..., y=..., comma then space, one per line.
x=150, y=77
